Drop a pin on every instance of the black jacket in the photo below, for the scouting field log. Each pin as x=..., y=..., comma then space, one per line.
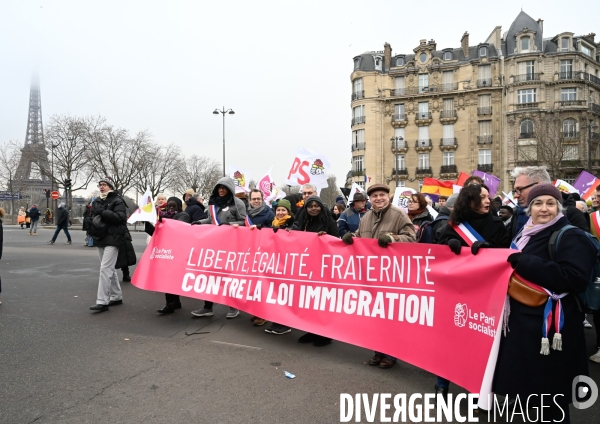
x=62, y=217
x=113, y=214
x=179, y=216
x=315, y=225
x=521, y=369
x=491, y=228
x=424, y=216
x=440, y=224
x=575, y=216
x=195, y=210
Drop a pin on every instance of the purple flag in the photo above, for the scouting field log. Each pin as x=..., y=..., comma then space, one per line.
x=584, y=181
x=490, y=180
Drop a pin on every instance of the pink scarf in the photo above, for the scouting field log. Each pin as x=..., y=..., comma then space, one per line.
x=530, y=229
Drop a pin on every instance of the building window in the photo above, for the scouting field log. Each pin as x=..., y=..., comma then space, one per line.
x=399, y=110
x=586, y=50
x=448, y=80
x=399, y=61
x=526, y=70
x=447, y=55
x=357, y=63
x=423, y=57
x=448, y=158
x=448, y=105
x=358, y=111
x=423, y=110
x=424, y=136
x=400, y=162
x=570, y=152
x=484, y=76
x=567, y=94
x=399, y=133
x=482, y=51
x=448, y=135
x=423, y=82
x=566, y=69
x=564, y=44
x=526, y=96
x=357, y=163
x=357, y=85
x=526, y=129
x=569, y=128
x=399, y=86
x=485, y=156
x=358, y=140
x=423, y=160
x=485, y=128
x=401, y=183
x=525, y=44
x=378, y=61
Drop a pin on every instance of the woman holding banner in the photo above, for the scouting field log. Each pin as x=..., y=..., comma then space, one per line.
x=471, y=224
x=523, y=369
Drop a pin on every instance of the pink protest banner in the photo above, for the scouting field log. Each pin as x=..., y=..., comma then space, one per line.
x=418, y=302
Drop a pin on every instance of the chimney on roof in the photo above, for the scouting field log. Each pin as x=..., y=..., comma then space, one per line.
x=387, y=55
x=464, y=43
x=590, y=37
x=541, y=24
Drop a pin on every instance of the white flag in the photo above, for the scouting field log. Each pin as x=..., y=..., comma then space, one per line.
x=146, y=211
x=355, y=189
x=308, y=167
x=241, y=179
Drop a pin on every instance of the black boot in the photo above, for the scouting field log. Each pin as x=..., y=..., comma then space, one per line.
x=169, y=308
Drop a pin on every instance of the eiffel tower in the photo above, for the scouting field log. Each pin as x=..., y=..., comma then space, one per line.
x=34, y=157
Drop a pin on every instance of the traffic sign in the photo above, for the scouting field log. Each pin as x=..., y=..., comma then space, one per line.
x=55, y=195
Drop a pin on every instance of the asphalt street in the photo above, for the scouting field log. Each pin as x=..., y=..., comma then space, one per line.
x=61, y=363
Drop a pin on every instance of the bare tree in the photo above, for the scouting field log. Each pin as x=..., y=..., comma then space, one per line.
x=113, y=152
x=161, y=168
x=329, y=194
x=10, y=154
x=199, y=173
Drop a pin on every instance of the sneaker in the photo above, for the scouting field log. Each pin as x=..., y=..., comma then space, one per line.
x=35, y=234
x=586, y=324
x=278, y=329
x=232, y=313
x=51, y=242
x=203, y=313
x=69, y=242
x=596, y=357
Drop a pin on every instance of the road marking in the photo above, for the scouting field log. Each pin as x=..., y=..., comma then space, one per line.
x=236, y=345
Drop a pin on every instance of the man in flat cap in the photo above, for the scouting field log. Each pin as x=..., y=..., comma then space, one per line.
x=388, y=224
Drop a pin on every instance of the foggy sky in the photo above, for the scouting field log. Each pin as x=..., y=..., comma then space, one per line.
x=283, y=66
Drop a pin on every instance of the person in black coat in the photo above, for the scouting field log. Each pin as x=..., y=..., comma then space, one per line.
x=522, y=368
x=108, y=229
x=574, y=215
x=62, y=223
x=174, y=211
x=194, y=209
x=314, y=217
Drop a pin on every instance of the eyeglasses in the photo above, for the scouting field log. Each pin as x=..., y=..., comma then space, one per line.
x=307, y=193
x=102, y=185
x=412, y=201
x=519, y=190
x=256, y=199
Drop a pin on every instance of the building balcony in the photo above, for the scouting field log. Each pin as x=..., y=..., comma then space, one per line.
x=449, y=169
x=589, y=77
x=484, y=139
x=358, y=95
x=594, y=108
x=358, y=146
x=399, y=120
x=485, y=167
x=485, y=82
x=567, y=103
x=531, y=105
x=423, y=118
x=486, y=110
x=402, y=172
x=449, y=86
x=395, y=92
x=448, y=144
x=571, y=163
x=423, y=146
x=570, y=135
x=566, y=75
x=530, y=162
x=424, y=172
x=358, y=120
x=527, y=135
x=359, y=173
x=526, y=78
x=448, y=116
x=399, y=146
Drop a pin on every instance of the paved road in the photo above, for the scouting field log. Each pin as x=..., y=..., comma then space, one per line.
x=59, y=363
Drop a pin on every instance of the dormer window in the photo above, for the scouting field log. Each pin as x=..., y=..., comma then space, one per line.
x=564, y=44
x=525, y=44
x=399, y=61
x=423, y=57
x=447, y=55
x=378, y=61
x=482, y=51
x=357, y=63
x=586, y=50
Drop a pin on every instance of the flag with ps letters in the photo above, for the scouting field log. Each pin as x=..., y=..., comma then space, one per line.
x=146, y=210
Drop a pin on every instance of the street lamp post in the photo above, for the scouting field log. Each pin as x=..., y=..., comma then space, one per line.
x=396, y=140
x=590, y=126
x=223, y=112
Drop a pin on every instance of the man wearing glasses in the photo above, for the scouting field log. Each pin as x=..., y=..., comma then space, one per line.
x=525, y=179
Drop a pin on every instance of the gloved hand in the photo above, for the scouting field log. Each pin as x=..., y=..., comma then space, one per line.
x=514, y=259
x=347, y=238
x=275, y=229
x=478, y=245
x=384, y=239
x=455, y=246
x=195, y=223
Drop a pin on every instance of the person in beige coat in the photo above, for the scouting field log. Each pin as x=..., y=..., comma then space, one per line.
x=388, y=224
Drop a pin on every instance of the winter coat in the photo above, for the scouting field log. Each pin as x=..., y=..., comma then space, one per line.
x=314, y=225
x=521, y=369
x=126, y=256
x=390, y=219
x=575, y=216
x=180, y=216
x=113, y=214
x=195, y=210
x=289, y=224
x=440, y=225
x=421, y=218
x=350, y=219
x=234, y=212
x=62, y=217
x=34, y=214
x=264, y=218
x=491, y=228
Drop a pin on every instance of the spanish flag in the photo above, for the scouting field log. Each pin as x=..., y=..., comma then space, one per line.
x=437, y=187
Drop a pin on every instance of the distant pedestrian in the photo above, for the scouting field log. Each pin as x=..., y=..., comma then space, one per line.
x=62, y=223
x=1, y=242
x=21, y=216
x=34, y=214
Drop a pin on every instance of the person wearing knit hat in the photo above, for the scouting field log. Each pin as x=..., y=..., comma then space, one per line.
x=525, y=366
x=186, y=195
x=109, y=230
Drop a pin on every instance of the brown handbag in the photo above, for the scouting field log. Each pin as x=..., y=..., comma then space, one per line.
x=525, y=292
